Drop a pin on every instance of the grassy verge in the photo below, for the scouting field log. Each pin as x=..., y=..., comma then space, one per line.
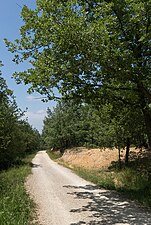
x=15, y=205
x=133, y=184
x=133, y=181
x=54, y=154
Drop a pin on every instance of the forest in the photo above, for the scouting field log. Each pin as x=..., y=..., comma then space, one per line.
x=96, y=54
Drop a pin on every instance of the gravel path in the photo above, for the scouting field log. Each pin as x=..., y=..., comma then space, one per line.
x=63, y=198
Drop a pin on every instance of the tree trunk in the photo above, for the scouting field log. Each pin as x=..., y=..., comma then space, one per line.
x=92, y=139
x=146, y=113
x=127, y=151
x=147, y=118
x=119, y=157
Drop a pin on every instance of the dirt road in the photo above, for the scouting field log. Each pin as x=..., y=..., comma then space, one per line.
x=63, y=198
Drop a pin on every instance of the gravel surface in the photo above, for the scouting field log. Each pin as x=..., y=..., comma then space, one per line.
x=63, y=198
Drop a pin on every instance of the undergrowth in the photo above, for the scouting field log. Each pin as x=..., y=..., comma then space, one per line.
x=133, y=184
x=15, y=204
x=54, y=154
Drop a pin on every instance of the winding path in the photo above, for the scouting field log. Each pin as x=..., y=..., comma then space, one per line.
x=63, y=198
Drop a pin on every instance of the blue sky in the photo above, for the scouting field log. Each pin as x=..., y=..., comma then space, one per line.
x=10, y=23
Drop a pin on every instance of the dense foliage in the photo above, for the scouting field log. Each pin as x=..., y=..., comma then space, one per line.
x=71, y=125
x=96, y=50
x=16, y=135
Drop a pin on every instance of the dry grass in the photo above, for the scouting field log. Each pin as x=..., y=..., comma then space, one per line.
x=101, y=167
x=94, y=158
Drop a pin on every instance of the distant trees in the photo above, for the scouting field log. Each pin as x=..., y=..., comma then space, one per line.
x=16, y=135
x=61, y=127
x=72, y=124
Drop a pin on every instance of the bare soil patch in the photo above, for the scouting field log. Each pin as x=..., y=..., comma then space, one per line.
x=99, y=158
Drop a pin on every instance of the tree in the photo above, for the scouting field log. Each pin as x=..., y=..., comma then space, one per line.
x=29, y=136
x=61, y=126
x=8, y=127
x=95, y=50
x=17, y=137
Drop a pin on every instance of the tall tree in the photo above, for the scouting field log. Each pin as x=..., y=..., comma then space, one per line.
x=91, y=49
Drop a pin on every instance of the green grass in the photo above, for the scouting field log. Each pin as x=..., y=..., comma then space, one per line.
x=136, y=184
x=102, y=179
x=133, y=184
x=54, y=154
x=15, y=205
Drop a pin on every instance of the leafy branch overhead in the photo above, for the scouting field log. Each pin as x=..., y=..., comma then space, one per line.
x=98, y=51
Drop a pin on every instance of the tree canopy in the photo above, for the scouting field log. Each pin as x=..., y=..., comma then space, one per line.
x=93, y=50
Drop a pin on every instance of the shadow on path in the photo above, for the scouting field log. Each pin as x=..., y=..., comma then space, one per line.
x=34, y=165
x=108, y=207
